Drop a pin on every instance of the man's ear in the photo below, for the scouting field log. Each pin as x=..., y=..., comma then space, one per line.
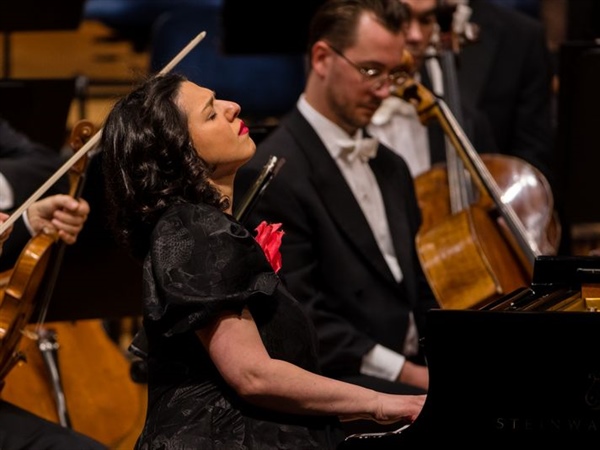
x=320, y=57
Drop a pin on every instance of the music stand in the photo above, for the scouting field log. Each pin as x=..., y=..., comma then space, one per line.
x=33, y=15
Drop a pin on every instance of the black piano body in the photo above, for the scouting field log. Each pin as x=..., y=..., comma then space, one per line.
x=512, y=376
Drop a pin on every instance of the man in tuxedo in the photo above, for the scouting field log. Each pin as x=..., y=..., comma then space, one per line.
x=504, y=82
x=507, y=75
x=347, y=204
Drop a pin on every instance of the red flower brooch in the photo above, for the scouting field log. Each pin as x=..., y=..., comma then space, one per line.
x=269, y=237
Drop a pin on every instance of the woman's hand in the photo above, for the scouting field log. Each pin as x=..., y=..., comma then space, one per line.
x=399, y=409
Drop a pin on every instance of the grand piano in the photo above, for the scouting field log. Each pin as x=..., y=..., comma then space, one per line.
x=522, y=369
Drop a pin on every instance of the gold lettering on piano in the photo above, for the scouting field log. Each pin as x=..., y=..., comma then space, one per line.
x=592, y=396
x=570, y=424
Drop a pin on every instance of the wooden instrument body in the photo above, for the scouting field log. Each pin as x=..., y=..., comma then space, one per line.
x=523, y=187
x=17, y=295
x=102, y=399
x=480, y=267
x=467, y=261
x=487, y=248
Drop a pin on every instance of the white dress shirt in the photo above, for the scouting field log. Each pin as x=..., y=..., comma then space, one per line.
x=396, y=124
x=6, y=194
x=380, y=361
x=7, y=201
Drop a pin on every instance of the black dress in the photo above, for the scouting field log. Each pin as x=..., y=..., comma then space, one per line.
x=203, y=262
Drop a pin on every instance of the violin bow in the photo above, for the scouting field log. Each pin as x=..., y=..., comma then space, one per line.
x=91, y=143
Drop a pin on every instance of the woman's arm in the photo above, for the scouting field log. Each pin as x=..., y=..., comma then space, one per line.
x=237, y=350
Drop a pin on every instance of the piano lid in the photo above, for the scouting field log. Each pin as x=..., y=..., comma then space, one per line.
x=506, y=378
x=510, y=377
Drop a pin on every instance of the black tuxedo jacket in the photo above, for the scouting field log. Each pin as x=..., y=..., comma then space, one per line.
x=26, y=165
x=505, y=89
x=507, y=75
x=331, y=261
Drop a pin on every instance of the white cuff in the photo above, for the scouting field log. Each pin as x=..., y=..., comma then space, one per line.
x=7, y=198
x=381, y=362
x=27, y=224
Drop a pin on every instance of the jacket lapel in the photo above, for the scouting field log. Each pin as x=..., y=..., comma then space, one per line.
x=396, y=210
x=336, y=194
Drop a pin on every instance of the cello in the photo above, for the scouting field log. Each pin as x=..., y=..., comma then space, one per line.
x=483, y=251
x=454, y=30
x=447, y=189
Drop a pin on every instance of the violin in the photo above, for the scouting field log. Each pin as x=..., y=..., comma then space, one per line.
x=18, y=290
x=56, y=362
x=17, y=298
x=20, y=287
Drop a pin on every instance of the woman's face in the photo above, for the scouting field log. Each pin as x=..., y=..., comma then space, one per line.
x=218, y=135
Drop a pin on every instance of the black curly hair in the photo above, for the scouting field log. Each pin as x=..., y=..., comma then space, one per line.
x=149, y=162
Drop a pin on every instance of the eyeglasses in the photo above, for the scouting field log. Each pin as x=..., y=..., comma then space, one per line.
x=376, y=77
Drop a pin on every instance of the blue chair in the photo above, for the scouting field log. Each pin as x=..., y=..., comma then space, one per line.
x=132, y=20
x=265, y=85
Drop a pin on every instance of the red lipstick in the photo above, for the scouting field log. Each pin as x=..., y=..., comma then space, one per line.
x=243, y=128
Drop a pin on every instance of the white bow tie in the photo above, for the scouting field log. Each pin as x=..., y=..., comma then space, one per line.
x=365, y=148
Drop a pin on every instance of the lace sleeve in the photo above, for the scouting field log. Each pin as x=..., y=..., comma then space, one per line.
x=202, y=262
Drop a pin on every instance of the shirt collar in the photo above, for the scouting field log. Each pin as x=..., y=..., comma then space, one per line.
x=335, y=139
